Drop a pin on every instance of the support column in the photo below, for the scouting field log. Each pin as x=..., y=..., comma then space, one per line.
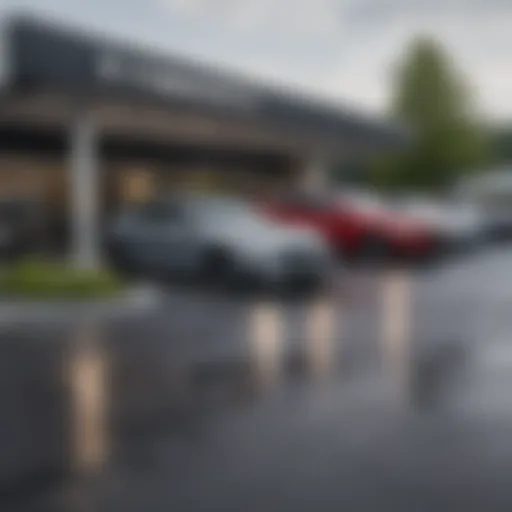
x=84, y=191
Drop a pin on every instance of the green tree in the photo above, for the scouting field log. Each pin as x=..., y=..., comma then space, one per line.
x=501, y=139
x=431, y=98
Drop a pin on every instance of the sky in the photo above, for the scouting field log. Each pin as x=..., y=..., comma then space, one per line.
x=341, y=50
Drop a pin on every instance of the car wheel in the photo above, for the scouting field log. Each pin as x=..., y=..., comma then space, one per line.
x=375, y=249
x=217, y=267
x=119, y=260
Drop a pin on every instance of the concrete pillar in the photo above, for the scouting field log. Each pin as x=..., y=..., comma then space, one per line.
x=314, y=176
x=84, y=191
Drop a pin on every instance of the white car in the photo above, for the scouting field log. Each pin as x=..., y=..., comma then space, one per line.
x=491, y=192
x=219, y=238
x=460, y=225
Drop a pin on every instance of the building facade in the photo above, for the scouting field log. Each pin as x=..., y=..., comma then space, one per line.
x=87, y=124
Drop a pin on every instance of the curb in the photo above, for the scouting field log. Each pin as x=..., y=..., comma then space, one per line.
x=138, y=299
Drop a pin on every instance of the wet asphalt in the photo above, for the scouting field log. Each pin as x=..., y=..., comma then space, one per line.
x=412, y=411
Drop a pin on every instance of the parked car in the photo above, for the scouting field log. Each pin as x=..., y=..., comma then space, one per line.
x=219, y=239
x=462, y=226
x=358, y=226
x=491, y=192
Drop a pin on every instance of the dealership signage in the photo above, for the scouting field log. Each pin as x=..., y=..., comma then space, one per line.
x=151, y=75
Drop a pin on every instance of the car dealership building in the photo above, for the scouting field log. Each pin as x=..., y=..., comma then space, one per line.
x=87, y=124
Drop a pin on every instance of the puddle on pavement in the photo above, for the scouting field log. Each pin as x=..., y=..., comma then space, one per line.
x=179, y=400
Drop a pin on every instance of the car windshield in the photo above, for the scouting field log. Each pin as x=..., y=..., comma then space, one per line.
x=364, y=202
x=422, y=208
x=214, y=211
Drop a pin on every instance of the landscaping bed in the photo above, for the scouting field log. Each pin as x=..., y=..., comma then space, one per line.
x=38, y=279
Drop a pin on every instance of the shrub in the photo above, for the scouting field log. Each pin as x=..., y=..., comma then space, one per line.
x=42, y=279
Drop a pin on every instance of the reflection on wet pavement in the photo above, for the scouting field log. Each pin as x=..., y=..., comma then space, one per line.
x=321, y=405
x=396, y=329
x=266, y=336
x=88, y=380
x=322, y=336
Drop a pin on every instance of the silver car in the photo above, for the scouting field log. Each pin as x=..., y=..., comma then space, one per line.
x=216, y=238
x=460, y=225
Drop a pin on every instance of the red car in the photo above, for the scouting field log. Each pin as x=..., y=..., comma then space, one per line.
x=357, y=228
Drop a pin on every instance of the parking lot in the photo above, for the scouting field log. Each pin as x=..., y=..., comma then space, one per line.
x=315, y=405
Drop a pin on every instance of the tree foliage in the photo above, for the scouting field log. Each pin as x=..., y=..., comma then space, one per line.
x=501, y=139
x=431, y=98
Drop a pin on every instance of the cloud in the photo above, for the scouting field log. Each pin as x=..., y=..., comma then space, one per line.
x=299, y=17
x=341, y=49
x=345, y=49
